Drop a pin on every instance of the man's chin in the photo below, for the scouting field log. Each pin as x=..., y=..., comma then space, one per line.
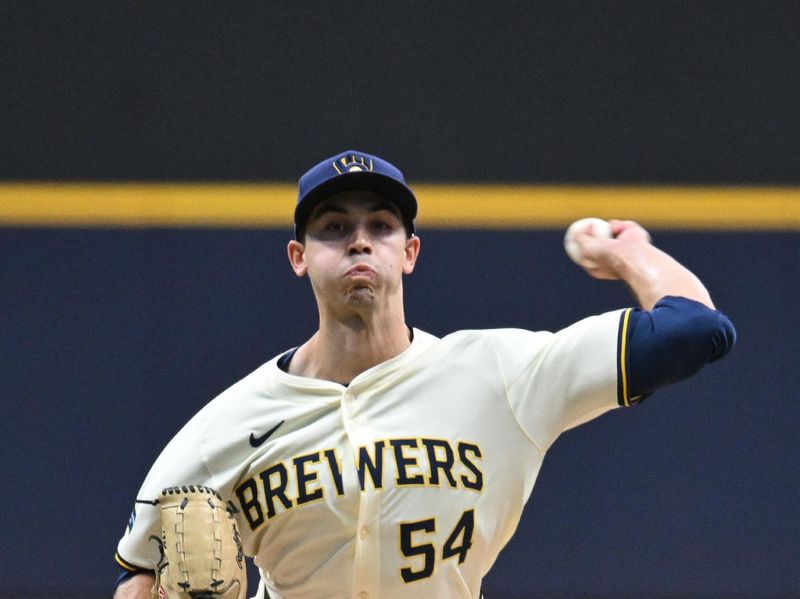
x=361, y=296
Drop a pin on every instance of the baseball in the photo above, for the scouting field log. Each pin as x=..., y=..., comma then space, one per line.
x=596, y=227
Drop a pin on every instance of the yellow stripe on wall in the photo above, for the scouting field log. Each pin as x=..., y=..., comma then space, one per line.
x=441, y=206
x=146, y=205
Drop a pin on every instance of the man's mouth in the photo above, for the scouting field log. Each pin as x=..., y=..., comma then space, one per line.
x=360, y=271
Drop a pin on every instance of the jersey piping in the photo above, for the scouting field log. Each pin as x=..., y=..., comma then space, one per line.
x=622, y=359
x=127, y=565
x=623, y=362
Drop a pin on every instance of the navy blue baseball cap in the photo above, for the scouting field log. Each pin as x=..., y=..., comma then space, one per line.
x=353, y=171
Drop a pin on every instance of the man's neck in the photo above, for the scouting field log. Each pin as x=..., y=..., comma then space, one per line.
x=340, y=351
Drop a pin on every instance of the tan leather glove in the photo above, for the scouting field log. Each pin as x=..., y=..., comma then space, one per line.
x=201, y=549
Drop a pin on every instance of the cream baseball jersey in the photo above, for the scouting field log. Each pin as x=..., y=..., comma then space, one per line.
x=411, y=479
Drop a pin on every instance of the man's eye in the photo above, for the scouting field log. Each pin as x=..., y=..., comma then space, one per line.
x=334, y=227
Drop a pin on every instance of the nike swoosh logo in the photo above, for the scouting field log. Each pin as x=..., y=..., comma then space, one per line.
x=258, y=441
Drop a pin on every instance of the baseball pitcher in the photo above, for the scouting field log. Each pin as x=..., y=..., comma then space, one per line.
x=377, y=460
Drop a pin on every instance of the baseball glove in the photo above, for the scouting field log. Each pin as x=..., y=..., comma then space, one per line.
x=201, y=550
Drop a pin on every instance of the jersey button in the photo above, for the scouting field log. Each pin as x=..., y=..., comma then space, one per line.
x=364, y=532
x=363, y=595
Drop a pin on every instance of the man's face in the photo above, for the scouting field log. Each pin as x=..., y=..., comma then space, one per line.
x=356, y=251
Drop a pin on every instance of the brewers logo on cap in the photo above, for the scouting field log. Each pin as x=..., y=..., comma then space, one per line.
x=352, y=171
x=352, y=164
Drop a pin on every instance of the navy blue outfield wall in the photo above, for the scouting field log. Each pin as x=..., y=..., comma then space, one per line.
x=111, y=339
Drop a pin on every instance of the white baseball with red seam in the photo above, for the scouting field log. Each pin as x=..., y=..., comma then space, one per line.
x=596, y=227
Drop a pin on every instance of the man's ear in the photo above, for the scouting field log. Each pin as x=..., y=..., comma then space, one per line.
x=297, y=257
x=411, y=254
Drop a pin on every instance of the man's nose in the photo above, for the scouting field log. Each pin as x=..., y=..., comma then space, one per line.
x=359, y=242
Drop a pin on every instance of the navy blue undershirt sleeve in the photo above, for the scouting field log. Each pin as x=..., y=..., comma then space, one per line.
x=667, y=344
x=283, y=361
x=128, y=574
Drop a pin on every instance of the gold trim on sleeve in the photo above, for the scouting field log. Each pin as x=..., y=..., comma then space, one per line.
x=623, y=355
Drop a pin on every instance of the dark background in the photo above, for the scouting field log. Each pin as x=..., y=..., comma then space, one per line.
x=112, y=338
x=510, y=91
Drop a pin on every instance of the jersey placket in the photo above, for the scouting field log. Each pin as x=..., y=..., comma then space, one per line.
x=367, y=549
